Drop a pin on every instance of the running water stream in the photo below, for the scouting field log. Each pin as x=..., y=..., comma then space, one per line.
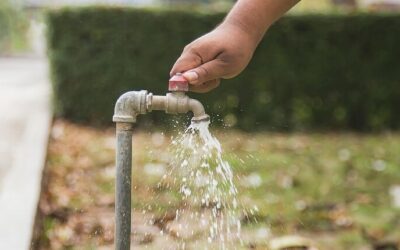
x=207, y=187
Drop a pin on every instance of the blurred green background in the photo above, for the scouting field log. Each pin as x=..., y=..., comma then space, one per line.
x=311, y=71
x=13, y=28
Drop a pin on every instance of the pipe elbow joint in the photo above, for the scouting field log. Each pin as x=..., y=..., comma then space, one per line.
x=129, y=106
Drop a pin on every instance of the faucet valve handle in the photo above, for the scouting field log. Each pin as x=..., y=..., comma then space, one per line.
x=178, y=83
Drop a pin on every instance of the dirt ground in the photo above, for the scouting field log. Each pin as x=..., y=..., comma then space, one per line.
x=336, y=190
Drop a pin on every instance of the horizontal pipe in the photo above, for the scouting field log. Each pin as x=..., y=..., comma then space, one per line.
x=159, y=102
x=178, y=102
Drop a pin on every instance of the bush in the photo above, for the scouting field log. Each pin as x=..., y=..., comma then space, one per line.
x=13, y=26
x=309, y=72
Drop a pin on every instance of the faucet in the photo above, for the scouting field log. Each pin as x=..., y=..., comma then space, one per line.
x=127, y=108
x=133, y=103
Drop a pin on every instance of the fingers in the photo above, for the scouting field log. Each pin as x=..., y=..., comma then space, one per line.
x=206, y=72
x=202, y=77
x=186, y=62
x=206, y=86
x=201, y=66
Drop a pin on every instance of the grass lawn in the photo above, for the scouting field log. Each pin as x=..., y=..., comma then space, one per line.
x=333, y=188
x=318, y=6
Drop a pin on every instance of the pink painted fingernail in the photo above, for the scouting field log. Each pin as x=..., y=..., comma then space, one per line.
x=191, y=76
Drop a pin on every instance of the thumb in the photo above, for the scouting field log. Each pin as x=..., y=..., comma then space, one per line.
x=208, y=71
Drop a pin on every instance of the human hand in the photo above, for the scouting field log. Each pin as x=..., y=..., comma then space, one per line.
x=222, y=53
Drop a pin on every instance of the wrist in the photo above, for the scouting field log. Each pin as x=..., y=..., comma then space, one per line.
x=241, y=30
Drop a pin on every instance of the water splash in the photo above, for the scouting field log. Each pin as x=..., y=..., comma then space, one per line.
x=207, y=187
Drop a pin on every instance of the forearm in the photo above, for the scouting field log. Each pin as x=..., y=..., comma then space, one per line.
x=256, y=16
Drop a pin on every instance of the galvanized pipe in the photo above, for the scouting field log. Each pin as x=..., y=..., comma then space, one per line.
x=123, y=186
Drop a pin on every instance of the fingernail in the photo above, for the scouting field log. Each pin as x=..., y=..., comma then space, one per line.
x=191, y=76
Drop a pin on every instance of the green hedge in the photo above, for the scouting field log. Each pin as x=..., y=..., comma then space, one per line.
x=309, y=72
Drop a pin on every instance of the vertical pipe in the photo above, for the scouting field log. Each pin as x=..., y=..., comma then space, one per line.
x=123, y=186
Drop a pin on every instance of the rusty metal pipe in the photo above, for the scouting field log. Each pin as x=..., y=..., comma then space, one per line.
x=123, y=186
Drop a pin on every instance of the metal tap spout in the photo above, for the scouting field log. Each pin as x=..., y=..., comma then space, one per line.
x=177, y=103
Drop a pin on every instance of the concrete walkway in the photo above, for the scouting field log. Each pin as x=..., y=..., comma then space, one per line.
x=25, y=118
